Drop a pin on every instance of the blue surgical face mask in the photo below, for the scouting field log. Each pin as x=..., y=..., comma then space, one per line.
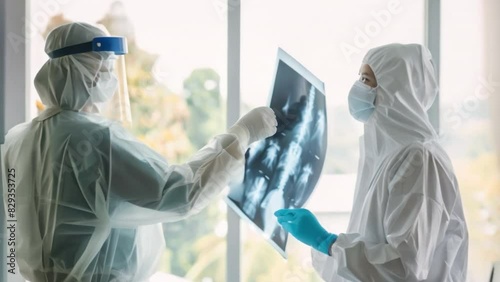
x=362, y=101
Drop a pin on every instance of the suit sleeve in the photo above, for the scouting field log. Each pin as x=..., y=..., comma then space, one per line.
x=147, y=190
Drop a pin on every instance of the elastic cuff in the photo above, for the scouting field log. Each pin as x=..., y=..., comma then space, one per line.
x=326, y=244
x=242, y=134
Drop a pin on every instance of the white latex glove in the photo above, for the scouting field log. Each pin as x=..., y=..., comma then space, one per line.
x=257, y=124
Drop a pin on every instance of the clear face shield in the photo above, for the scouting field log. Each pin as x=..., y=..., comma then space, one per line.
x=113, y=79
x=108, y=90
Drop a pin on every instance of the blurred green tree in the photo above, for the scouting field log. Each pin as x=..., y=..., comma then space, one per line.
x=205, y=105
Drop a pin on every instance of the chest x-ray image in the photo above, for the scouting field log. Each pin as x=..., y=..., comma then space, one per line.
x=282, y=171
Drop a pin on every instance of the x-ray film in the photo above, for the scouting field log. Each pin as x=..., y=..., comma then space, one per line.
x=282, y=171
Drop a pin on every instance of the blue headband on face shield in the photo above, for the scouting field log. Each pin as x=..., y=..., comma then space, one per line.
x=115, y=44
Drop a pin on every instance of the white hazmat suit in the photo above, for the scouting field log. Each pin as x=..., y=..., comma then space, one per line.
x=407, y=221
x=90, y=198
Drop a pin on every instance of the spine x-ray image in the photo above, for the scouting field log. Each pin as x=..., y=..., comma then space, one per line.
x=282, y=171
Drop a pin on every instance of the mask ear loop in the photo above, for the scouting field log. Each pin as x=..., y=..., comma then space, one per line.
x=375, y=89
x=374, y=76
x=106, y=66
x=93, y=78
x=90, y=79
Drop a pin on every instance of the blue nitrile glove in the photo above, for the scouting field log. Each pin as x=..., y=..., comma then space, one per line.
x=304, y=226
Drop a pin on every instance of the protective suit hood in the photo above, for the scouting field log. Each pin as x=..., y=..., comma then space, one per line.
x=406, y=89
x=68, y=82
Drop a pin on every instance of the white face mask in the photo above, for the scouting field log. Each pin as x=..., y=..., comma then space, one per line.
x=362, y=101
x=105, y=87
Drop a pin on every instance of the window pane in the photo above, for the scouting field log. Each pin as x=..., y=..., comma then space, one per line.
x=176, y=70
x=466, y=129
x=330, y=39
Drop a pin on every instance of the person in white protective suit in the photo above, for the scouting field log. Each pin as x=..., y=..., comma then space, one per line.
x=407, y=221
x=90, y=198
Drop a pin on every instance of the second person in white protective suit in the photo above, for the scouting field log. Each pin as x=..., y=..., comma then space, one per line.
x=407, y=221
x=90, y=197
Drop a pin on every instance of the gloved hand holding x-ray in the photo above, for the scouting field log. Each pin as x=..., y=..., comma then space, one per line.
x=257, y=124
x=282, y=171
x=304, y=226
